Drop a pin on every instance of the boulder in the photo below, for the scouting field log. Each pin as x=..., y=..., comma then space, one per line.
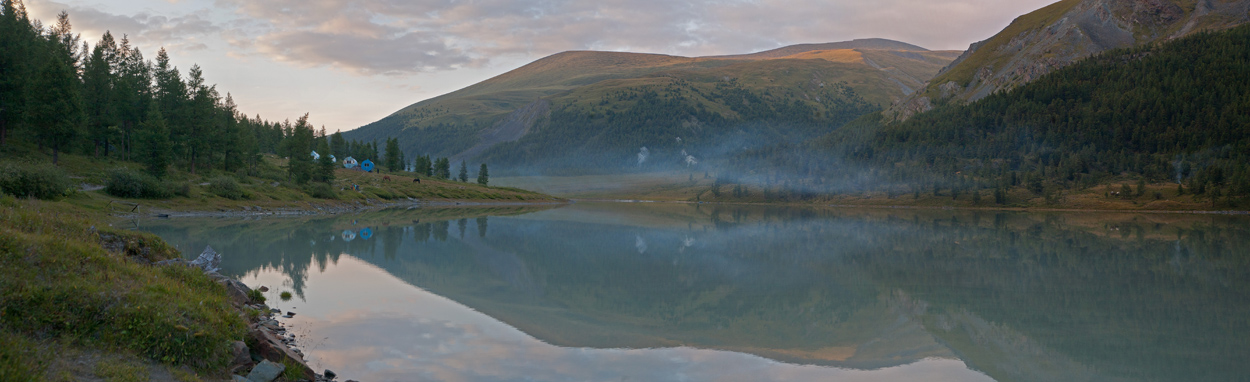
x=239, y=378
x=266, y=371
x=209, y=260
x=242, y=356
x=270, y=347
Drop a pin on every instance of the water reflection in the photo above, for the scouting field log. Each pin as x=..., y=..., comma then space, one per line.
x=754, y=293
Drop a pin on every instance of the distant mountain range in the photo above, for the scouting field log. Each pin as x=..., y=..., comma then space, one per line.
x=606, y=112
x=831, y=83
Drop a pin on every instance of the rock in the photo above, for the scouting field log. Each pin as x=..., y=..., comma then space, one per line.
x=329, y=374
x=209, y=260
x=237, y=291
x=290, y=314
x=266, y=371
x=270, y=347
x=239, y=378
x=242, y=356
x=263, y=288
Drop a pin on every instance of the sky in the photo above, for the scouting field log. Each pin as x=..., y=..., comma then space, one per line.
x=352, y=62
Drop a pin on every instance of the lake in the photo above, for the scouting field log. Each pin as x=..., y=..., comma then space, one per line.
x=686, y=292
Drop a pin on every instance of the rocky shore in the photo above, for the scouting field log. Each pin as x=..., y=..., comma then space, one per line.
x=270, y=349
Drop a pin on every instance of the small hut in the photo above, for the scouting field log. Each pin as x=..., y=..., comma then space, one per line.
x=367, y=165
x=350, y=163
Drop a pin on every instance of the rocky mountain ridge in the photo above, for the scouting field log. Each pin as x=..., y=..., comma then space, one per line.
x=1063, y=33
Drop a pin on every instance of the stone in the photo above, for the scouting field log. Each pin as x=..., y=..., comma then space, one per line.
x=209, y=260
x=329, y=374
x=237, y=291
x=242, y=355
x=263, y=288
x=266, y=371
x=239, y=378
x=270, y=347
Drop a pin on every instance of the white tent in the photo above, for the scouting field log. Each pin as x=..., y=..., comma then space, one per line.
x=350, y=162
x=316, y=156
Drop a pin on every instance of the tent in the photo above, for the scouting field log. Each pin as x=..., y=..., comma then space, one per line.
x=350, y=163
x=316, y=156
x=367, y=165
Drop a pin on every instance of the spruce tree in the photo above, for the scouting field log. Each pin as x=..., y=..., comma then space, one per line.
x=56, y=109
x=325, y=165
x=483, y=176
x=152, y=141
x=300, y=165
x=464, y=172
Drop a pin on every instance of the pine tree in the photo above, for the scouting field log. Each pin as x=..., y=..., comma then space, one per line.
x=152, y=141
x=300, y=164
x=392, y=160
x=464, y=172
x=99, y=93
x=325, y=165
x=56, y=109
x=483, y=176
x=17, y=70
x=442, y=168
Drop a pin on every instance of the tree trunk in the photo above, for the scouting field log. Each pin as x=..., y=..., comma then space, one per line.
x=4, y=130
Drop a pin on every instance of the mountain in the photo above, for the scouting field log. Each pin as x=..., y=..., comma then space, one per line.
x=597, y=96
x=1063, y=33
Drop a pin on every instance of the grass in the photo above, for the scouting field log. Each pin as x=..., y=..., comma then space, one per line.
x=119, y=370
x=264, y=185
x=62, y=284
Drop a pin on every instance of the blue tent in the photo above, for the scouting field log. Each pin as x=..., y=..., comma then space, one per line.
x=367, y=165
x=366, y=233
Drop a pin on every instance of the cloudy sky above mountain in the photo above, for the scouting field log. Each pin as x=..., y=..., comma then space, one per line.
x=351, y=62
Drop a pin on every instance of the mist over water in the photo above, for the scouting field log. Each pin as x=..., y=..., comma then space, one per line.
x=668, y=292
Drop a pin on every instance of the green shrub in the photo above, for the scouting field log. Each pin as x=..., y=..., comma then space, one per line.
x=321, y=191
x=38, y=180
x=127, y=183
x=227, y=187
x=256, y=296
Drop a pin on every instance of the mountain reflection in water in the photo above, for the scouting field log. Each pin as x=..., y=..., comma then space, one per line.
x=698, y=292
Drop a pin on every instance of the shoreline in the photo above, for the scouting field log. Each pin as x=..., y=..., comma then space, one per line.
x=311, y=209
x=906, y=207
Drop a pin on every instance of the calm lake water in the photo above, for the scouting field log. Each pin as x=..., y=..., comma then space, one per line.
x=665, y=292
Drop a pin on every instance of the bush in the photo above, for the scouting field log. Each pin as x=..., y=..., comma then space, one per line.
x=127, y=183
x=43, y=180
x=321, y=191
x=227, y=187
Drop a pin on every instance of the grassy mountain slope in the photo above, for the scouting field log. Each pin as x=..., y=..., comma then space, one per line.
x=467, y=123
x=1063, y=33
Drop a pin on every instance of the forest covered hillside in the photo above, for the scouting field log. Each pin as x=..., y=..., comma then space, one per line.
x=565, y=95
x=1155, y=125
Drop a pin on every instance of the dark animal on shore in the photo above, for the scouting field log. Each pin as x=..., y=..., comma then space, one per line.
x=386, y=178
x=416, y=180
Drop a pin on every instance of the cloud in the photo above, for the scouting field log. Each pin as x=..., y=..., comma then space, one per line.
x=142, y=28
x=400, y=37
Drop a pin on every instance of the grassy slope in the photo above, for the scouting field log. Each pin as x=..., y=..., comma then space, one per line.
x=563, y=76
x=69, y=302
